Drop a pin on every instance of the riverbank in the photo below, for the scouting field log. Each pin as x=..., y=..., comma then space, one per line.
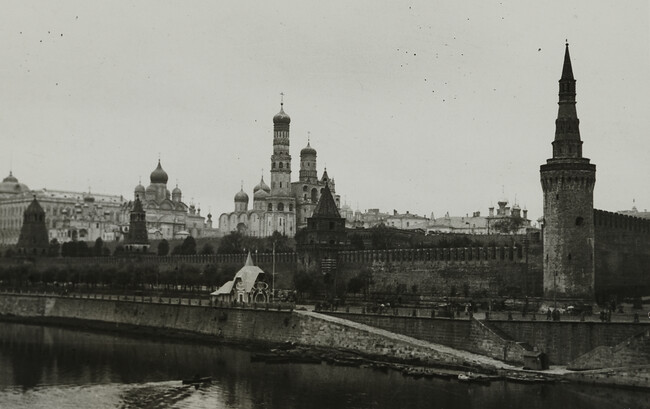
x=273, y=329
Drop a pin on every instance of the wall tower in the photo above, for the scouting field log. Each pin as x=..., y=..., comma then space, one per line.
x=568, y=183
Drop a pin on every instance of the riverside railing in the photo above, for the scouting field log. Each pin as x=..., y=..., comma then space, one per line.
x=153, y=299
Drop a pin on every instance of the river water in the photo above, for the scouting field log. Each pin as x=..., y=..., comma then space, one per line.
x=50, y=367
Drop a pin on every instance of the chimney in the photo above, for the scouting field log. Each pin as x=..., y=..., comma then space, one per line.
x=491, y=212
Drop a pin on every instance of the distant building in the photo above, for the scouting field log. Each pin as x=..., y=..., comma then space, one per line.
x=33, y=238
x=285, y=206
x=68, y=215
x=168, y=217
x=504, y=221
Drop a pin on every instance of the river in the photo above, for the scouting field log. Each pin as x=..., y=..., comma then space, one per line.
x=50, y=367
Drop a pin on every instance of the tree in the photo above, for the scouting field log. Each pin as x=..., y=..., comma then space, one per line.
x=382, y=237
x=98, y=248
x=189, y=246
x=207, y=249
x=356, y=242
x=508, y=225
x=53, y=250
x=163, y=247
x=231, y=243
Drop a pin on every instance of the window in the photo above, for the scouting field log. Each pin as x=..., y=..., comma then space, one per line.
x=280, y=207
x=272, y=165
x=579, y=221
x=291, y=207
x=270, y=207
x=281, y=165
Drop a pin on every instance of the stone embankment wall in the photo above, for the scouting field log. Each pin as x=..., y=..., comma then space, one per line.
x=468, y=335
x=244, y=326
x=565, y=341
x=561, y=341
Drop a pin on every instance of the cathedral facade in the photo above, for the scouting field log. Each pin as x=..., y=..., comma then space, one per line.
x=284, y=206
x=167, y=216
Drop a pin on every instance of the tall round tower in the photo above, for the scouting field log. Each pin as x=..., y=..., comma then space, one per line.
x=281, y=159
x=568, y=183
x=308, y=172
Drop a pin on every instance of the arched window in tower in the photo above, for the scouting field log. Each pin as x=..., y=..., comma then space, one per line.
x=291, y=207
x=280, y=207
x=314, y=195
x=579, y=221
x=304, y=188
x=272, y=165
x=281, y=165
x=288, y=165
x=270, y=207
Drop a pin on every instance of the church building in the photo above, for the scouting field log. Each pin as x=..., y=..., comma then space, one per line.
x=284, y=206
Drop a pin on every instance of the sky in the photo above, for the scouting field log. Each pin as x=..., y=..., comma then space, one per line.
x=425, y=106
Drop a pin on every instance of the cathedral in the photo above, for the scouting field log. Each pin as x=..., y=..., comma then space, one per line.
x=167, y=216
x=285, y=206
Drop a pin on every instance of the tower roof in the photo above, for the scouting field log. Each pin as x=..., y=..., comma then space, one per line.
x=567, y=71
x=34, y=208
x=326, y=206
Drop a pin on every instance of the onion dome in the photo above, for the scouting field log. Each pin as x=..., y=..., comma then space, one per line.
x=176, y=191
x=262, y=186
x=11, y=185
x=11, y=178
x=308, y=150
x=241, y=196
x=281, y=117
x=159, y=175
x=261, y=194
x=139, y=190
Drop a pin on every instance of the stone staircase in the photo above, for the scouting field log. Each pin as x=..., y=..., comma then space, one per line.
x=496, y=343
x=439, y=353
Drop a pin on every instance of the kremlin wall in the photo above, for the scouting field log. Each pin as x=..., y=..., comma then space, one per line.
x=580, y=254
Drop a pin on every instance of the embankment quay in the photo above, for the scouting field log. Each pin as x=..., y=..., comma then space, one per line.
x=602, y=351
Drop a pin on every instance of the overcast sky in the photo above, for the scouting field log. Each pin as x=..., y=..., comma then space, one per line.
x=427, y=106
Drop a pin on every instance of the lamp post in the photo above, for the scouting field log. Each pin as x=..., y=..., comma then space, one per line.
x=273, y=275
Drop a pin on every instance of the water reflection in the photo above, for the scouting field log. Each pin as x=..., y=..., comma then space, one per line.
x=54, y=367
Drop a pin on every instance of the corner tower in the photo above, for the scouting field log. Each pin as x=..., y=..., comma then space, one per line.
x=568, y=183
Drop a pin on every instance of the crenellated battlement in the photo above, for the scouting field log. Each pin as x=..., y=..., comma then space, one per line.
x=605, y=219
x=449, y=255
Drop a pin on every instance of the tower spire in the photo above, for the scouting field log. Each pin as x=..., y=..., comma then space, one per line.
x=567, y=143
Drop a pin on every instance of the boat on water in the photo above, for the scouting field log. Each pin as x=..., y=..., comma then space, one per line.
x=474, y=378
x=198, y=381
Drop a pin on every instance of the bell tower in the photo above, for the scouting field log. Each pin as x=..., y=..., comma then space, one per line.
x=281, y=159
x=568, y=183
